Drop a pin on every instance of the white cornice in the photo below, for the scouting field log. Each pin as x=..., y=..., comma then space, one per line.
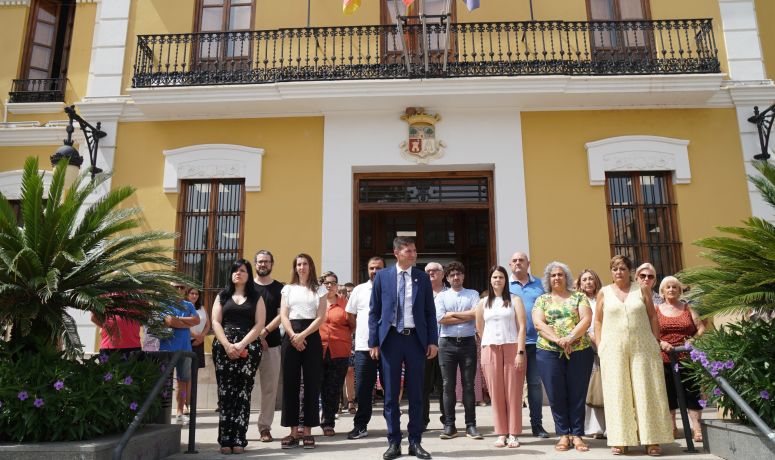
x=638, y=153
x=523, y=93
x=27, y=108
x=43, y=135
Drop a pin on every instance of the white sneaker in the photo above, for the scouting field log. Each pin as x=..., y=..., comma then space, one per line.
x=182, y=418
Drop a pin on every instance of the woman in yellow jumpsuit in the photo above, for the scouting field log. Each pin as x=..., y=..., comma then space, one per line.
x=628, y=345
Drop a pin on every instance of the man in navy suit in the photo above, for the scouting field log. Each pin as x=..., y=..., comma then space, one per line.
x=403, y=331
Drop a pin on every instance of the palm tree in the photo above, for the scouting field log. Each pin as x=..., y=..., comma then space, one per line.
x=743, y=277
x=72, y=253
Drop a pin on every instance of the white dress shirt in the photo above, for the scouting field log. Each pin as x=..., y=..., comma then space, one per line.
x=359, y=305
x=408, y=317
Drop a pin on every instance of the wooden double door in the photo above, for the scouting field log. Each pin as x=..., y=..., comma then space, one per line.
x=450, y=218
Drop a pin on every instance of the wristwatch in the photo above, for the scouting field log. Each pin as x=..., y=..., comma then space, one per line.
x=521, y=352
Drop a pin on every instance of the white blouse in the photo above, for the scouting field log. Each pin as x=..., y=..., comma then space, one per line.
x=302, y=303
x=500, y=324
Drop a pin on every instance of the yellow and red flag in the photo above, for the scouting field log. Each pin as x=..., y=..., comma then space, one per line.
x=349, y=6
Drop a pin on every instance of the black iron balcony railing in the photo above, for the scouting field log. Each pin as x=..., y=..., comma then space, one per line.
x=38, y=90
x=669, y=46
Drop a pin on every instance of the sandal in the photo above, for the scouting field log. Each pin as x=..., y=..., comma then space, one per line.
x=226, y=451
x=237, y=450
x=513, y=442
x=697, y=436
x=500, y=442
x=351, y=407
x=617, y=450
x=308, y=442
x=579, y=444
x=266, y=435
x=653, y=450
x=328, y=431
x=289, y=442
x=563, y=444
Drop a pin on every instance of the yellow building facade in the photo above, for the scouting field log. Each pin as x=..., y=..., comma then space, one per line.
x=571, y=130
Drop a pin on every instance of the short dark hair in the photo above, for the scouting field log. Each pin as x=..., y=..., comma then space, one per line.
x=263, y=252
x=376, y=259
x=401, y=241
x=621, y=259
x=349, y=284
x=454, y=267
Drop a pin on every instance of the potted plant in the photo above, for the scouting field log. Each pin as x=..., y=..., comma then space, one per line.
x=740, y=283
x=70, y=251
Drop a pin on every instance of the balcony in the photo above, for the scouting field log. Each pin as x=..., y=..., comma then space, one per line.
x=427, y=51
x=38, y=90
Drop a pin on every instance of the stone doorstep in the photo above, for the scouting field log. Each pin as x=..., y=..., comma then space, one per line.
x=731, y=441
x=149, y=442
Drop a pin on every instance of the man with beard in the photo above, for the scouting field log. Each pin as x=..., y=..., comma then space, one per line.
x=269, y=368
x=365, y=367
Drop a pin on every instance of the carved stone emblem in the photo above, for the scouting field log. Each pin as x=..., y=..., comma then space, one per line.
x=422, y=145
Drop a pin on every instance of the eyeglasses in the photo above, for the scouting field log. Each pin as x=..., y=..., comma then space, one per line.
x=643, y=276
x=432, y=270
x=329, y=283
x=180, y=288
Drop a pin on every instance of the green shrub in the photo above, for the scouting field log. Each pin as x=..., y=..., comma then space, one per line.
x=743, y=354
x=47, y=397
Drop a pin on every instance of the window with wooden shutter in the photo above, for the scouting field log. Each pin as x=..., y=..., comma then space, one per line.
x=211, y=216
x=642, y=219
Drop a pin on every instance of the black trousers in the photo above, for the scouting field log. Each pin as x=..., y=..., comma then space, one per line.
x=433, y=381
x=453, y=354
x=334, y=372
x=308, y=363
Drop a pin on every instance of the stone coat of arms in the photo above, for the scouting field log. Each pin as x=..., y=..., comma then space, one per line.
x=422, y=145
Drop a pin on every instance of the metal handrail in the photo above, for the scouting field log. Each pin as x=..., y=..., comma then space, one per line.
x=727, y=389
x=170, y=365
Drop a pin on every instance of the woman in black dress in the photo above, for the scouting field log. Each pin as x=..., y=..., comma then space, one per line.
x=238, y=317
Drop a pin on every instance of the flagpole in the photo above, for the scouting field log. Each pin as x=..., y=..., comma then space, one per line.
x=425, y=37
x=446, y=34
x=309, y=8
x=400, y=30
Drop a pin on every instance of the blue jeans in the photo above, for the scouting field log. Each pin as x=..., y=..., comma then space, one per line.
x=566, y=381
x=365, y=378
x=535, y=392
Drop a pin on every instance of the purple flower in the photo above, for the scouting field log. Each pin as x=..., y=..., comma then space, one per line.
x=107, y=377
x=23, y=395
x=676, y=368
x=165, y=394
x=697, y=355
x=716, y=392
x=714, y=372
x=133, y=406
x=58, y=385
x=702, y=403
x=729, y=364
x=688, y=346
x=704, y=361
x=104, y=358
x=764, y=394
x=128, y=380
x=38, y=402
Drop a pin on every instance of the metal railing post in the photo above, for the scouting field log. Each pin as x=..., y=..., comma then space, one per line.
x=192, y=405
x=681, y=398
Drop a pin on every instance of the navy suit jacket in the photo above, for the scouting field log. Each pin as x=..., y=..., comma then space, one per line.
x=384, y=302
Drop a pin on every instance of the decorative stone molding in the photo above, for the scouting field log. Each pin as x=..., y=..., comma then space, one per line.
x=213, y=161
x=11, y=183
x=27, y=108
x=27, y=2
x=638, y=153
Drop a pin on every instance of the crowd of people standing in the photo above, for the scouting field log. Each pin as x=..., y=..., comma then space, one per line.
x=599, y=352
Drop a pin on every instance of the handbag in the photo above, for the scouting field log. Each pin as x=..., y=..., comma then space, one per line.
x=595, y=390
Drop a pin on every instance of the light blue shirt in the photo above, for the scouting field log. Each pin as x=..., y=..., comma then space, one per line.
x=528, y=293
x=456, y=301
